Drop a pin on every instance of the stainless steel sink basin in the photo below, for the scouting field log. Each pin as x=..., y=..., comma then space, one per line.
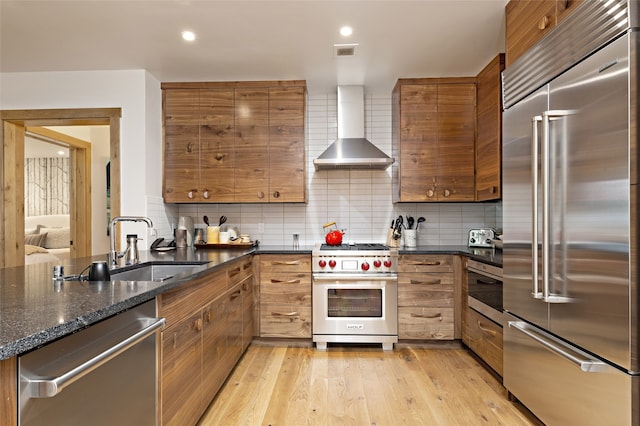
x=157, y=272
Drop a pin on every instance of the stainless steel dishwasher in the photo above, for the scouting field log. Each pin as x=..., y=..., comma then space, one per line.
x=105, y=374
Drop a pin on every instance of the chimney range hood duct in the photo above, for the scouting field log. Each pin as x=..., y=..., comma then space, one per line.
x=351, y=150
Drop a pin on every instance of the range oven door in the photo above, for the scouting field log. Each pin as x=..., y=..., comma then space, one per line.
x=355, y=305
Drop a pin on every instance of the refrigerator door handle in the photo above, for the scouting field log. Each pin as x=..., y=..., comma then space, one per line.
x=580, y=359
x=536, y=293
x=547, y=117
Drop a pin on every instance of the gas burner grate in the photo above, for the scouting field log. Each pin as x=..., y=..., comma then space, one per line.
x=355, y=247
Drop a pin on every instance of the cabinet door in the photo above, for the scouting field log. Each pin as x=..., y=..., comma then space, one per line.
x=247, y=311
x=484, y=337
x=419, y=142
x=234, y=324
x=214, y=345
x=252, y=145
x=181, y=144
x=286, y=144
x=217, y=138
x=489, y=133
x=456, y=142
x=527, y=21
x=181, y=372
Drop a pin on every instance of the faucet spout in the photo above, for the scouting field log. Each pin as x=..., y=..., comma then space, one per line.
x=113, y=252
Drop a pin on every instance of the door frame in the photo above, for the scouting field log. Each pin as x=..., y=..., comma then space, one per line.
x=12, y=134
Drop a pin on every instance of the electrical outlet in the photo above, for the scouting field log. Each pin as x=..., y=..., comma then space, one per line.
x=261, y=228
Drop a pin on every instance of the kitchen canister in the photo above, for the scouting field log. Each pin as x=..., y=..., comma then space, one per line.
x=213, y=234
x=410, y=237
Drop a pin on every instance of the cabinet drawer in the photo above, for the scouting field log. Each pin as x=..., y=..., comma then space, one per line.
x=288, y=263
x=426, y=290
x=425, y=323
x=180, y=302
x=425, y=263
x=298, y=294
x=484, y=337
x=290, y=279
x=239, y=270
x=285, y=320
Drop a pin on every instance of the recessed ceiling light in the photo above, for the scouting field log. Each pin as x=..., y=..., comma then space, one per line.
x=188, y=35
x=346, y=31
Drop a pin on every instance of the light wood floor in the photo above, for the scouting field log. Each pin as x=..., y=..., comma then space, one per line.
x=355, y=385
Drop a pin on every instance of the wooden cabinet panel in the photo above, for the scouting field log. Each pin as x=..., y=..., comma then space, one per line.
x=434, y=139
x=252, y=144
x=425, y=323
x=527, y=21
x=181, y=386
x=488, y=153
x=247, y=311
x=564, y=8
x=214, y=345
x=9, y=391
x=285, y=296
x=427, y=297
x=286, y=144
x=234, y=142
x=484, y=337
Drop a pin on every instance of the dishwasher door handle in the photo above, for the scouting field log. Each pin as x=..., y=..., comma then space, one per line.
x=39, y=387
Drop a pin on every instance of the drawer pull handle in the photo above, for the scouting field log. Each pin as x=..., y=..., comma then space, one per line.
x=434, y=263
x=438, y=315
x=543, y=23
x=434, y=282
x=235, y=295
x=234, y=272
x=288, y=314
x=291, y=262
x=485, y=329
x=198, y=324
x=285, y=282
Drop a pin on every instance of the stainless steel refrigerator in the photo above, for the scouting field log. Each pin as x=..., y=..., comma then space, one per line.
x=570, y=221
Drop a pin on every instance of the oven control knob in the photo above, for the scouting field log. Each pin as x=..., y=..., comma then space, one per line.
x=332, y=263
x=377, y=263
x=365, y=266
x=322, y=263
x=387, y=264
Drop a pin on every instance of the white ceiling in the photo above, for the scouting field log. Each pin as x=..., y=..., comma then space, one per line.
x=254, y=40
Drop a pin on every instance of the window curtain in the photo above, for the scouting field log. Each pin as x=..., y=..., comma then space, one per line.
x=46, y=186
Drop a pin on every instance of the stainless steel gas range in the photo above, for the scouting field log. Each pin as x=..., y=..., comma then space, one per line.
x=355, y=294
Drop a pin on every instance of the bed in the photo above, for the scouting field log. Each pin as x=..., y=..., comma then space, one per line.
x=46, y=239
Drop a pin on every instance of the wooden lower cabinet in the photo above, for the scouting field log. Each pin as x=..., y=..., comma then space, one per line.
x=428, y=292
x=203, y=339
x=285, y=296
x=484, y=337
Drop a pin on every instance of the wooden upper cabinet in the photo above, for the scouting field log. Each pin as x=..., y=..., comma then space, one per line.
x=489, y=131
x=433, y=138
x=234, y=142
x=527, y=21
x=286, y=144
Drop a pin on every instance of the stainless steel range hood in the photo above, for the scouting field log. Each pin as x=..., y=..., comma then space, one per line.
x=351, y=150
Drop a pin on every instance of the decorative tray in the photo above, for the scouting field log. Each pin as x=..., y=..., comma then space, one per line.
x=227, y=245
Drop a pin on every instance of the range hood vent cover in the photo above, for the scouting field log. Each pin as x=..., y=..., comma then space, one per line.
x=351, y=150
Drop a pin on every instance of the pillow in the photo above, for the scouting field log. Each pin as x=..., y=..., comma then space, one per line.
x=35, y=239
x=29, y=249
x=56, y=237
x=31, y=231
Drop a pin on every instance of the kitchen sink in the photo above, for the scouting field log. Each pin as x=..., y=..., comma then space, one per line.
x=157, y=272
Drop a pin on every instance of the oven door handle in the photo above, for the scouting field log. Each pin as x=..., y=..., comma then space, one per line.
x=391, y=278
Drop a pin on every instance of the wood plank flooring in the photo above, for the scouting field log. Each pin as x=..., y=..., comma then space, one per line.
x=360, y=385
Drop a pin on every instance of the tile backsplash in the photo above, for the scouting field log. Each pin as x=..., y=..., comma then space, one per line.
x=359, y=201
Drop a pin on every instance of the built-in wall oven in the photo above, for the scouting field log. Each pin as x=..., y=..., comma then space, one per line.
x=485, y=289
x=355, y=295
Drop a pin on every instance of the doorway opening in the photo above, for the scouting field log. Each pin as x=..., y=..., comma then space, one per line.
x=15, y=124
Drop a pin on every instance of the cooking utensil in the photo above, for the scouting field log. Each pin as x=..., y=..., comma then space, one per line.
x=420, y=220
x=410, y=222
x=223, y=219
x=206, y=220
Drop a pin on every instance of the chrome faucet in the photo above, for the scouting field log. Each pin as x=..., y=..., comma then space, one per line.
x=114, y=255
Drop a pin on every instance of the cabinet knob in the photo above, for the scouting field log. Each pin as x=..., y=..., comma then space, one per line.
x=261, y=195
x=206, y=194
x=543, y=23
x=276, y=194
x=430, y=193
x=198, y=324
x=191, y=194
x=189, y=148
x=446, y=193
x=220, y=156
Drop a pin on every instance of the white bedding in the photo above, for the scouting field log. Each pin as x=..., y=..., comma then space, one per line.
x=56, y=227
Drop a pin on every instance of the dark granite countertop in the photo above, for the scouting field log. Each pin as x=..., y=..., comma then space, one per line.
x=34, y=310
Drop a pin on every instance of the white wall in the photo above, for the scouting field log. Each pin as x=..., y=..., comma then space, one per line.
x=136, y=92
